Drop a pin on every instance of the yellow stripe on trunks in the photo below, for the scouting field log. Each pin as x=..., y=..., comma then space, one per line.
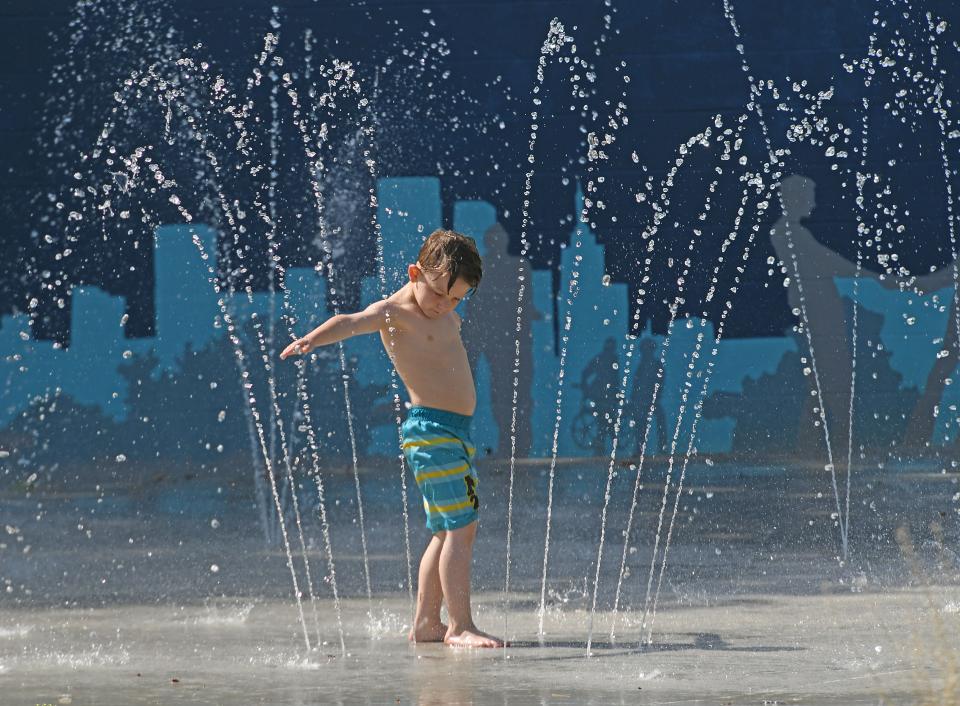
x=441, y=474
x=449, y=508
x=438, y=440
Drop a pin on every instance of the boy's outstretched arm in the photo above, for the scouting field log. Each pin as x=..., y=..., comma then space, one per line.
x=341, y=326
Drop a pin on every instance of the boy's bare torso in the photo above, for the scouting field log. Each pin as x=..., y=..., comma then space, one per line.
x=429, y=356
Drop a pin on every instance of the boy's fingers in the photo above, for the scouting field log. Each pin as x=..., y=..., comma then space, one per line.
x=295, y=347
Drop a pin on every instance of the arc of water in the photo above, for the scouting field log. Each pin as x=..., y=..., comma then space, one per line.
x=731, y=237
x=594, y=154
x=276, y=415
x=369, y=131
x=274, y=406
x=677, y=302
x=251, y=432
x=568, y=319
x=251, y=399
x=308, y=72
x=238, y=351
x=275, y=268
x=861, y=178
x=525, y=246
x=620, y=115
x=269, y=217
x=556, y=39
x=942, y=121
x=660, y=210
x=552, y=45
x=394, y=385
x=931, y=93
x=755, y=106
x=272, y=249
x=341, y=71
x=271, y=270
x=291, y=482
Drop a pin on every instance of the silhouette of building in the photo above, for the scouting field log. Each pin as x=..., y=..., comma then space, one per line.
x=408, y=210
x=913, y=328
x=599, y=310
x=96, y=348
x=185, y=301
x=475, y=219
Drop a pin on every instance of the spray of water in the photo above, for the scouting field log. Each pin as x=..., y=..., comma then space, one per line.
x=711, y=361
x=270, y=43
x=550, y=47
x=660, y=207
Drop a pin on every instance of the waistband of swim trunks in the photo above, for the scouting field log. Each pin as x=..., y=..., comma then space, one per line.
x=441, y=416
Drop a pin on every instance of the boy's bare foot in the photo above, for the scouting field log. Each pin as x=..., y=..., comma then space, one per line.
x=427, y=631
x=471, y=638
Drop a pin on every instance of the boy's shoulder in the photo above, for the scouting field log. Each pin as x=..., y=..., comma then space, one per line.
x=397, y=307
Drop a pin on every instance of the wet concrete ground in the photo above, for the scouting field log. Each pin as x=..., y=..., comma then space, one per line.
x=174, y=580
x=836, y=649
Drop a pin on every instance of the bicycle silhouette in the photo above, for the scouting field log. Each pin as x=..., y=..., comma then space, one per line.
x=593, y=425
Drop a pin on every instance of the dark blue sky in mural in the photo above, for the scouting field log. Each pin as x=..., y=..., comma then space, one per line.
x=451, y=90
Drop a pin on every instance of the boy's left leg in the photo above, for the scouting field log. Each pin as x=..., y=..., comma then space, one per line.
x=456, y=557
x=426, y=623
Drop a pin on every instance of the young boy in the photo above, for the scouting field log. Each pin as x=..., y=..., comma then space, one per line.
x=421, y=333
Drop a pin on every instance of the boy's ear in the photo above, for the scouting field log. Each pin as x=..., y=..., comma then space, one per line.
x=414, y=271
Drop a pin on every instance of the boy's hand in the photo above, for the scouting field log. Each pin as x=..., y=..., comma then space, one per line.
x=298, y=347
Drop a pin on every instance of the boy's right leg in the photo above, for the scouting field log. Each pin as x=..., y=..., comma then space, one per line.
x=426, y=624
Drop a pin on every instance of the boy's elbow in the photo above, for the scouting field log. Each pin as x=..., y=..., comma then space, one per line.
x=347, y=325
x=359, y=324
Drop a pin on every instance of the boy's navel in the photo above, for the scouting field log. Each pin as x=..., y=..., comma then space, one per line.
x=429, y=337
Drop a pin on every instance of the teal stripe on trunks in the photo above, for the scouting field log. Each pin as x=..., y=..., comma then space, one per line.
x=439, y=450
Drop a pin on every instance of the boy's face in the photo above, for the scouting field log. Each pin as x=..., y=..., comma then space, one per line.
x=430, y=291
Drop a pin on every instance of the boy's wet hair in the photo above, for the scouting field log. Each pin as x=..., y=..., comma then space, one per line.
x=447, y=251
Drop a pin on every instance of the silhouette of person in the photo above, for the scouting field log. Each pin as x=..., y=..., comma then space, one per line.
x=492, y=333
x=817, y=265
x=919, y=427
x=600, y=384
x=641, y=394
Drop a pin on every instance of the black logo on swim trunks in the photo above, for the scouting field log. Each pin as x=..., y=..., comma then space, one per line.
x=471, y=484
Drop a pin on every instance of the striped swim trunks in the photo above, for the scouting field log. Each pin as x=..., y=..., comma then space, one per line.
x=438, y=448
